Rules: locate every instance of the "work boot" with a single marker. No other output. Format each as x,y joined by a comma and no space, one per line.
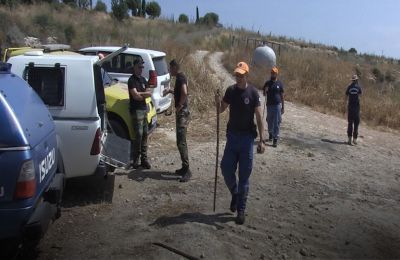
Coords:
186,176
275,143
181,171
349,141
269,137
240,218
355,141
233,205
145,164
132,165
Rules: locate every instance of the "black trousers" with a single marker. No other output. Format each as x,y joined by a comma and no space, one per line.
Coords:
353,119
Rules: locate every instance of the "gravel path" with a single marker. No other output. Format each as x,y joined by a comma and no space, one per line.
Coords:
311,197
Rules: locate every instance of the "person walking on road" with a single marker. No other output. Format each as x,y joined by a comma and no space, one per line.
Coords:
182,117
243,101
273,90
138,92
353,94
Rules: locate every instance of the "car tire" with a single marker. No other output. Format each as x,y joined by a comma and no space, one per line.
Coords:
118,129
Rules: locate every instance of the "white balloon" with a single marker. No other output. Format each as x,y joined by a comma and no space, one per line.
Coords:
264,57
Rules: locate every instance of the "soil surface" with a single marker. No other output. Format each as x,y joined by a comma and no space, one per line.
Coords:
311,197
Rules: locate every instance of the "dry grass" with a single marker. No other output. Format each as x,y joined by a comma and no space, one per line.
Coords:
312,75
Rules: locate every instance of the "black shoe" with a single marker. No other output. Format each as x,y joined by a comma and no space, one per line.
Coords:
270,138
240,218
181,171
233,205
186,176
145,164
132,165
275,143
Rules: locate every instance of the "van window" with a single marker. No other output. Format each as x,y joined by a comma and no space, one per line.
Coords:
161,66
48,82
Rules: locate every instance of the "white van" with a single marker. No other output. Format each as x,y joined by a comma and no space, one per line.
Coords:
155,70
71,87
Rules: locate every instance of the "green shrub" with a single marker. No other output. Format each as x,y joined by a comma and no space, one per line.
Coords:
100,6
153,10
183,18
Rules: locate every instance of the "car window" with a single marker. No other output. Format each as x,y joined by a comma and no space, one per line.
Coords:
48,82
161,65
127,61
9,136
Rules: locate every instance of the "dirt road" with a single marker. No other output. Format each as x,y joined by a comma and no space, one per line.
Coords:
311,197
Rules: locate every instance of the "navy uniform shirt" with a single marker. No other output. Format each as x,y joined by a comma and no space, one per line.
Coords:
180,80
353,92
273,91
242,104
140,84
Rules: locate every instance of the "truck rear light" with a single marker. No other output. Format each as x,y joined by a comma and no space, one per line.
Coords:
96,146
152,78
26,184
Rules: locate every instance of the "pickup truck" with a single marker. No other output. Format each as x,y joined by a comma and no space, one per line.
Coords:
30,184
72,88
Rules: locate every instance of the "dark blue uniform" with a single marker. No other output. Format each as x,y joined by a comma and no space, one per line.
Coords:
353,93
241,132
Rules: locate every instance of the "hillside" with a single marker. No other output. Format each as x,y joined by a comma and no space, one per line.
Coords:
314,74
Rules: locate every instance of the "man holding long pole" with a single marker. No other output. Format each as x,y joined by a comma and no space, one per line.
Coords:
243,101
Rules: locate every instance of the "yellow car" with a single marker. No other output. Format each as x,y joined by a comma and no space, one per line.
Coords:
117,106
9,52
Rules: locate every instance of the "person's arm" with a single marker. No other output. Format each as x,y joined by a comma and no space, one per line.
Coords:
283,103
260,126
182,98
221,105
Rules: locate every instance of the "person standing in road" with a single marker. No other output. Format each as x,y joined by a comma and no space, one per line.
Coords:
243,101
353,94
138,92
182,117
273,90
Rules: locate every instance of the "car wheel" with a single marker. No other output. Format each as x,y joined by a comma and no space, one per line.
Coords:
118,129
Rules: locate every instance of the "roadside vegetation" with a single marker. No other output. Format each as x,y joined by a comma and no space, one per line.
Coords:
314,74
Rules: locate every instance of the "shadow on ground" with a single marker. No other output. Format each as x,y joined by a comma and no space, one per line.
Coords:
88,190
212,220
140,175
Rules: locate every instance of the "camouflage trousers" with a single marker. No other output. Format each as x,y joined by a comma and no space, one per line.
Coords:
182,122
139,144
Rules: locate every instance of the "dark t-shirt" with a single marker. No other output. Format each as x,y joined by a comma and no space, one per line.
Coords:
273,91
180,80
353,92
242,104
140,83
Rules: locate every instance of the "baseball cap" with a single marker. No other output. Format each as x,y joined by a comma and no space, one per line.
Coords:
242,68
354,77
139,62
275,70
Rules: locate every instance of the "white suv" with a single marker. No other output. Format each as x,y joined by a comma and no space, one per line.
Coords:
155,70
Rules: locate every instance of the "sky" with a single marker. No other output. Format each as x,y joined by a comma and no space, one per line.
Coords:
371,27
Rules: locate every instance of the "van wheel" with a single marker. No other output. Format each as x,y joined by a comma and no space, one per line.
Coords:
118,129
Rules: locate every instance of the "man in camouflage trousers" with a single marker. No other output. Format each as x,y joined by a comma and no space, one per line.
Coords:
182,116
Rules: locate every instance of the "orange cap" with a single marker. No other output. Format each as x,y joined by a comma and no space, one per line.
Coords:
275,70
242,68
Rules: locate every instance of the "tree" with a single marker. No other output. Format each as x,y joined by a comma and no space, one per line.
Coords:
210,19
153,10
353,50
134,6
143,8
83,4
119,9
183,18
70,2
197,15
100,6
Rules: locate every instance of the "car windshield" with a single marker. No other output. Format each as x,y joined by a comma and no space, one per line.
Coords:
161,65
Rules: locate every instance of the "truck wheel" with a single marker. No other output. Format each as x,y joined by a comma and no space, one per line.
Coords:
119,129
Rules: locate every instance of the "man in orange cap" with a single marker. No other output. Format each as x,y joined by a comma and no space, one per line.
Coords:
243,101
273,90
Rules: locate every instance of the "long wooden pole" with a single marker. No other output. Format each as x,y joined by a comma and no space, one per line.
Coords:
217,152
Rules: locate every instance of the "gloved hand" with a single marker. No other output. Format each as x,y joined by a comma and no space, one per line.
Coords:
260,147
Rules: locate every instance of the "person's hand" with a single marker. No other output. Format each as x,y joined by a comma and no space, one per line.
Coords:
166,91
260,147
282,110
